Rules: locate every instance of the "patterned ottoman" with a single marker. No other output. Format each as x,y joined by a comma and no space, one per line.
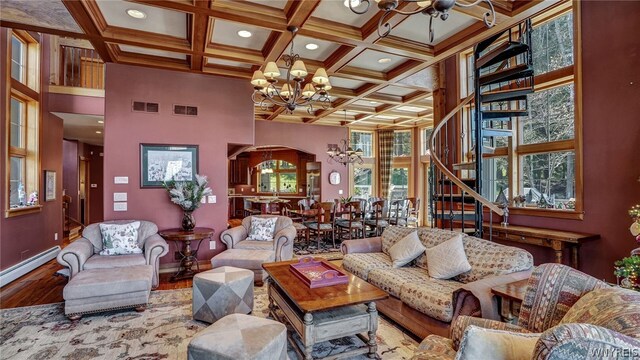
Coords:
240,336
220,292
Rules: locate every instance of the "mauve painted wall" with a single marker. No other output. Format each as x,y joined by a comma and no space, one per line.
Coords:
312,139
225,115
611,136
24,236
76,104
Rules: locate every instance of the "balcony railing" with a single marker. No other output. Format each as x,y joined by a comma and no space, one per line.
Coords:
81,67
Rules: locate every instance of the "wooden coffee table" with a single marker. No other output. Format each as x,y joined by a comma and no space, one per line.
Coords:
324,313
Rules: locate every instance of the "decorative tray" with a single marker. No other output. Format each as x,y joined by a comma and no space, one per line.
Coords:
318,273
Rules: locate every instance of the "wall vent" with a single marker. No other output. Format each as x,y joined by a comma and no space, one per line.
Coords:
185,110
141,106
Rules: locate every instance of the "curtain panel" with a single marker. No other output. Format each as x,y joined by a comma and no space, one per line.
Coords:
385,147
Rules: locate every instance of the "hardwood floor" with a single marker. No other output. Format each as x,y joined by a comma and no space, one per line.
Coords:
41,286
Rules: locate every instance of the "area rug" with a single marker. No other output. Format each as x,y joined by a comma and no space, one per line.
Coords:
163,331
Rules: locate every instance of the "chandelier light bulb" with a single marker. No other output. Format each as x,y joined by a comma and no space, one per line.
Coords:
299,70
286,91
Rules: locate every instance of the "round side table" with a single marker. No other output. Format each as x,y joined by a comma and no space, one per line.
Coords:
198,234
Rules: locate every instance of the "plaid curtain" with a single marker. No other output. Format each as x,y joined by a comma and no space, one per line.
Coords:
385,143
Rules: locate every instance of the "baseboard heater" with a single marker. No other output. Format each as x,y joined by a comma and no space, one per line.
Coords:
10,274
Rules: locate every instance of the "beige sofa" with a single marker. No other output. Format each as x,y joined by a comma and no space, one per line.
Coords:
425,305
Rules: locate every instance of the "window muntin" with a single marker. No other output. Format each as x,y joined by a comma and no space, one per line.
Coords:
402,143
551,174
553,44
551,116
18,59
362,140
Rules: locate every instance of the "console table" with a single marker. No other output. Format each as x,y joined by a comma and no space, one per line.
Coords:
198,234
555,239
510,297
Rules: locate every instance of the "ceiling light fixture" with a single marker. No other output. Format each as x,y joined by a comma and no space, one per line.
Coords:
244,33
136,14
433,9
384,60
344,154
98,132
352,3
311,46
100,121
292,93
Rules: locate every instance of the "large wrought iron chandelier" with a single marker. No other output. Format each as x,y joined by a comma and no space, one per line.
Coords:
432,8
344,154
292,93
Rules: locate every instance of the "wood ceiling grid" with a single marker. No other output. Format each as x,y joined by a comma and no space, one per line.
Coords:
352,42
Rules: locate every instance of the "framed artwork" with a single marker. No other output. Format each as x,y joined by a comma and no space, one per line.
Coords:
159,163
49,185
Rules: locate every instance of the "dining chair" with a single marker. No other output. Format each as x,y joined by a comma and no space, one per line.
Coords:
324,223
377,221
413,215
301,229
352,220
398,212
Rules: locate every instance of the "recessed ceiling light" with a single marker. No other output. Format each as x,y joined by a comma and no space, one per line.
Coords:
244,33
373,102
136,14
354,3
384,60
100,121
98,132
311,46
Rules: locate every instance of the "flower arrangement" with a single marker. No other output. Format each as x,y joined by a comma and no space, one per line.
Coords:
188,194
628,269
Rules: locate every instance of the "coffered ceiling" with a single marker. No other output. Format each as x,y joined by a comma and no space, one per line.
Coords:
381,82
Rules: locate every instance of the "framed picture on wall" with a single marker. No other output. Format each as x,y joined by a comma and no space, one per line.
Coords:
49,185
160,163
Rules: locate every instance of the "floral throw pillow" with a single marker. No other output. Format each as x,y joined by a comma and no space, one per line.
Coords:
262,229
120,239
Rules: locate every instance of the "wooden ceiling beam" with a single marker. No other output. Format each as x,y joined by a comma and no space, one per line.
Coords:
234,53
201,30
83,18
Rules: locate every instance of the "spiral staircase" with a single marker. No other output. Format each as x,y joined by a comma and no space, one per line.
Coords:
503,76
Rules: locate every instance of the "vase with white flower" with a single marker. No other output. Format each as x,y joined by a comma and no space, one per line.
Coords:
188,195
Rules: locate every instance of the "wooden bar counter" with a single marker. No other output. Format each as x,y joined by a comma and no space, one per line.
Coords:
555,239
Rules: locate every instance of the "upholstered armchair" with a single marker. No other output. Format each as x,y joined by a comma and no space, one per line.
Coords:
84,253
282,243
603,321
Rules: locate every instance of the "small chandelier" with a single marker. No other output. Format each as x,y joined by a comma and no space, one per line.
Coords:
292,93
432,8
344,154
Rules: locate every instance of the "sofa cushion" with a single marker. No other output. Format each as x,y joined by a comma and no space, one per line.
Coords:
359,264
107,262
281,222
431,237
477,342
392,235
391,280
491,259
120,239
612,308
254,245
262,229
405,250
432,297
92,233
447,259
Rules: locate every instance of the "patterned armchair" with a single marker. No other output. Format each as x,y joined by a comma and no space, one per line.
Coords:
604,319
84,253
282,245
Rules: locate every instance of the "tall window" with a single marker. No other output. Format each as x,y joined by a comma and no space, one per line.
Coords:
544,143
425,134
402,143
362,140
277,176
399,187
23,99
362,178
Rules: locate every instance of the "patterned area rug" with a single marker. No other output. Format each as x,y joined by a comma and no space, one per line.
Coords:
163,331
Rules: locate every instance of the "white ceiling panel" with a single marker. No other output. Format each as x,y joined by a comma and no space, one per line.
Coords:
228,63
152,52
335,10
226,33
416,27
366,103
278,4
158,20
368,59
345,83
324,50
396,90
413,109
